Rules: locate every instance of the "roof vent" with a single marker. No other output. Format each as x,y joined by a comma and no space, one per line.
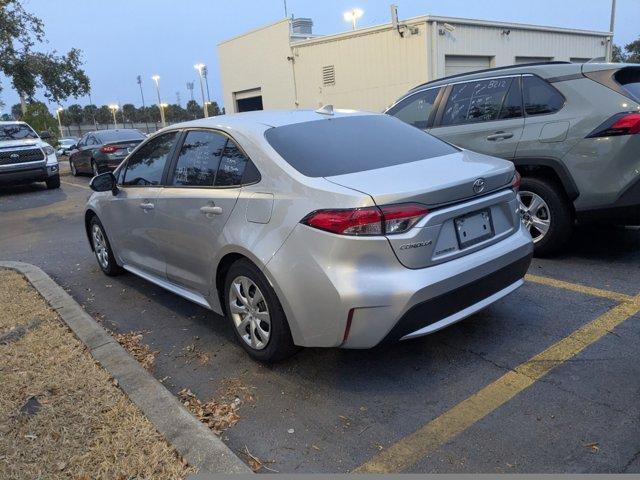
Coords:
302,26
325,110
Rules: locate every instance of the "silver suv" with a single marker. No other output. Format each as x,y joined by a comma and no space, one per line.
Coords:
571,130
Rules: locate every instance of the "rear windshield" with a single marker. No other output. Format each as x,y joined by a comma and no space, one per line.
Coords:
338,146
120,135
629,79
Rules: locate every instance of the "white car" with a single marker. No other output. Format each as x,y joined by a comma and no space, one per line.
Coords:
25,157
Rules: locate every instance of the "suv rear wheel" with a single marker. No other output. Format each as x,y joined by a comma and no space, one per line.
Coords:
546,213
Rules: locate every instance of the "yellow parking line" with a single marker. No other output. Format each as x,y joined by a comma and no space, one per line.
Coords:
596,292
414,447
75,185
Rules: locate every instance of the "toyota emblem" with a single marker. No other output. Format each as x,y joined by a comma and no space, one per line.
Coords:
14,155
478,185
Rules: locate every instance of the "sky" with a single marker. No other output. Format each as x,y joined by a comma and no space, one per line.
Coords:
121,39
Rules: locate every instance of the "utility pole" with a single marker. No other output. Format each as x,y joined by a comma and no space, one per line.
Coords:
144,109
199,68
286,14
206,82
612,25
93,113
156,78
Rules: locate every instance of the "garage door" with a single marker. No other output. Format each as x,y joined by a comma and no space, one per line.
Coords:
455,64
521,60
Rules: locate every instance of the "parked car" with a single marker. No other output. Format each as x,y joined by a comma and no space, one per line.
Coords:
571,130
303,236
25,157
103,150
65,144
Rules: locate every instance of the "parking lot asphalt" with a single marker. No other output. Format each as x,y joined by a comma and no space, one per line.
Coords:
546,380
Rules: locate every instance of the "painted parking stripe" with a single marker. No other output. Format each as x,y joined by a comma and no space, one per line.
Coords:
414,447
595,292
75,185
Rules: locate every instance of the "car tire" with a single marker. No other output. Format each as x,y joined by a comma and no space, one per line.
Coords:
102,248
53,182
72,167
549,205
263,331
95,170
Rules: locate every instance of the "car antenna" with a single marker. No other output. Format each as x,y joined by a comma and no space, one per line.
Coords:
325,110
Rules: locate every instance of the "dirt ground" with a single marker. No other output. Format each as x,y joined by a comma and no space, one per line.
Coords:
61,414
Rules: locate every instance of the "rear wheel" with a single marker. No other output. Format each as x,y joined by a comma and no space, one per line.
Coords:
102,249
256,315
94,168
546,213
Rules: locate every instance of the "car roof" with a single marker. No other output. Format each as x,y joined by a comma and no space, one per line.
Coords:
542,69
266,118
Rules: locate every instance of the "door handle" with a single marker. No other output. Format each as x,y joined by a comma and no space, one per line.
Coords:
499,136
147,206
211,210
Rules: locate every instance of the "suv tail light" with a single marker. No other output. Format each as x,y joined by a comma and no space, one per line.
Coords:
515,182
620,124
110,148
386,220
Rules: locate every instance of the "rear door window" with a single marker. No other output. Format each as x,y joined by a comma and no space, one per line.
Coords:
199,159
337,146
416,109
629,80
478,101
146,166
540,98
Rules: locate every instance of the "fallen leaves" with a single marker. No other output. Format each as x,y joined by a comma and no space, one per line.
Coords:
132,343
594,447
218,416
255,463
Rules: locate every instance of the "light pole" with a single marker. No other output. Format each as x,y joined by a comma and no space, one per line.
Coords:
162,107
156,78
139,79
199,68
612,25
114,108
58,112
353,16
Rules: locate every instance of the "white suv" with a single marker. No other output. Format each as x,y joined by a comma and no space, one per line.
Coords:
25,157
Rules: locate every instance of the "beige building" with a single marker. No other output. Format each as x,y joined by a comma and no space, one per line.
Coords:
283,65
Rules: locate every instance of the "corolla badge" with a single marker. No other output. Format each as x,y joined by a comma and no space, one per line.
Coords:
14,155
478,185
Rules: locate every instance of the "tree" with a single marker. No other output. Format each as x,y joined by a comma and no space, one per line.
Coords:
40,119
89,114
16,111
214,109
633,51
60,76
104,116
194,110
618,55
130,112
74,115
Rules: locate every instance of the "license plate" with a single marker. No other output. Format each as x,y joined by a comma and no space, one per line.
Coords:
474,228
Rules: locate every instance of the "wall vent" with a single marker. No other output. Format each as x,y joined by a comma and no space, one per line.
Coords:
328,75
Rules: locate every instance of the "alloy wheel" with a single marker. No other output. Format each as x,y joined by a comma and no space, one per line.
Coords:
94,168
535,213
249,312
72,166
100,246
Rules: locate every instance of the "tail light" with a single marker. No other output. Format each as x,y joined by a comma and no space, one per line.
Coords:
620,124
110,148
515,182
386,220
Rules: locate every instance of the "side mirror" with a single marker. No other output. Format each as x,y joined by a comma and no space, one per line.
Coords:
45,135
104,182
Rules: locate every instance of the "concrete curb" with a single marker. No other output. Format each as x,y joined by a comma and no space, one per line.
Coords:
191,439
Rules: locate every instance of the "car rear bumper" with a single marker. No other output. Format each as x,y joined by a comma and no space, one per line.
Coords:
625,210
359,296
28,175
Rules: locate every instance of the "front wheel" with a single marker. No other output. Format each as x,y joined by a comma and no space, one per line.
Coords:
256,315
94,168
72,167
102,249
546,213
53,182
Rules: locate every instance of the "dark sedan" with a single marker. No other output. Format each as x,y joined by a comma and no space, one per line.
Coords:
103,150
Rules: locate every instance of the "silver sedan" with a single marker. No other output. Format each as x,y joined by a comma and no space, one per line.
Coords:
319,229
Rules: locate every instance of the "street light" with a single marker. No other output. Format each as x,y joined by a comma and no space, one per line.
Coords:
156,78
58,111
162,107
199,67
114,108
353,16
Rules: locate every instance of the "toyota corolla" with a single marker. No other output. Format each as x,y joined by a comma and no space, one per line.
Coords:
319,229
